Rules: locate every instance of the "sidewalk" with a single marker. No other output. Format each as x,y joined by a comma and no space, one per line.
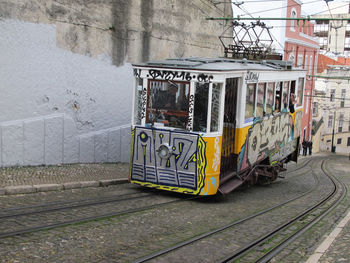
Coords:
20,180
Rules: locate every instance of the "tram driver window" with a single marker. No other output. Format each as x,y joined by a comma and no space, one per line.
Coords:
215,107
269,99
250,103
138,102
278,97
292,97
260,112
168,104
285,95
201,107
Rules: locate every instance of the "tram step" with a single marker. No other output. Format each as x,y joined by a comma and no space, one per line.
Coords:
230,185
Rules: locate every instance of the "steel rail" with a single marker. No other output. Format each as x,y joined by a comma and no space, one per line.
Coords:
260,240
89,202
69,205
91,218
218,230
272,253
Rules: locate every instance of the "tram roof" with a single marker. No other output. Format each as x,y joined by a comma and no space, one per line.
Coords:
217,64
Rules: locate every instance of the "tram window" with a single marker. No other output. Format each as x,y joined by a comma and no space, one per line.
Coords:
138,102
168,103
285,95
201,107
278,97
250,102
260,100
292,98
269,99
300,91
215,107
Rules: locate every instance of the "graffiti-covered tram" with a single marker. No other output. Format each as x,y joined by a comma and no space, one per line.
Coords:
206,125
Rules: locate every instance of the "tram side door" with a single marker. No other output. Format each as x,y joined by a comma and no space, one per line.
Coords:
228,158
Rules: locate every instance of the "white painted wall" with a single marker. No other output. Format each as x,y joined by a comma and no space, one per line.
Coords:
57,106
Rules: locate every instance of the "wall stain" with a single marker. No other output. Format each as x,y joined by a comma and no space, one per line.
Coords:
120,16
147,13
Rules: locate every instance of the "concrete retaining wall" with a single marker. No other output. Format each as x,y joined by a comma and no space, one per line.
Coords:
66,78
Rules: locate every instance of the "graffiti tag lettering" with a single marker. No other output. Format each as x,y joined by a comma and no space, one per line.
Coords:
190,113
266,136
251,77
172,75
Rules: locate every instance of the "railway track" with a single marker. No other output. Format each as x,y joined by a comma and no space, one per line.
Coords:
276,248
21,214
312,219
16,213
13,218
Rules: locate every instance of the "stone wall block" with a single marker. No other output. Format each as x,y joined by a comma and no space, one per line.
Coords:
114,153
101,147
54,140
125,134
12,144
86,149
34,142
71,142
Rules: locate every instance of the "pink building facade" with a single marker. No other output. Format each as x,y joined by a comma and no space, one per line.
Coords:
302,49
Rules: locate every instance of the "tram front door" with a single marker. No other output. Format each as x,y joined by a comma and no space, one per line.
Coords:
228,157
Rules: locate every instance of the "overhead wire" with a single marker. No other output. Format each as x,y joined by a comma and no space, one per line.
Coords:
252,16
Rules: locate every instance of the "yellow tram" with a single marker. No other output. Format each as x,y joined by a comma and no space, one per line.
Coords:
206,125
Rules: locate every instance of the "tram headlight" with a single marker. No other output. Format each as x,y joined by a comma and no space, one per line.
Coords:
164,151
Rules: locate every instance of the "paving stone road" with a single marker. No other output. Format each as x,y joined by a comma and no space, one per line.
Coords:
125,238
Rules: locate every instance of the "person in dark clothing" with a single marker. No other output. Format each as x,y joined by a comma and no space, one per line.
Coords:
304,147
292,102
310,147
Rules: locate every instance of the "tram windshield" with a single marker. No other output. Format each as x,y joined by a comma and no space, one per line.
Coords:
168,103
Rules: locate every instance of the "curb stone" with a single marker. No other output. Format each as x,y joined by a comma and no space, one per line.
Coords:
113,182
48,187
20,189
28,189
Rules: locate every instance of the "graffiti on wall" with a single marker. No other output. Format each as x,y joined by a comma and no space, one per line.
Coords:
274,136
183,168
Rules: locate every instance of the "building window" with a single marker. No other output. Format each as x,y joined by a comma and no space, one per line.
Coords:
332,95
348,141
291,58
305,64
292,22
300,61
323,42
347,43
339,141
310,66
340,122
315,109
330,121
342,102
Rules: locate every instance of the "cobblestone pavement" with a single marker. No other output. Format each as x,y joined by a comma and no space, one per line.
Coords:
17,180
125,238
339,250
305,246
